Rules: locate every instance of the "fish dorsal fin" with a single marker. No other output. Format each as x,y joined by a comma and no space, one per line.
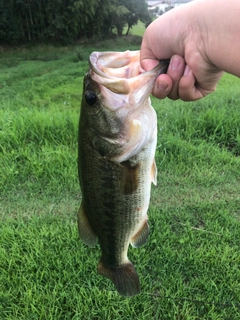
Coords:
154,172
86,232
141,237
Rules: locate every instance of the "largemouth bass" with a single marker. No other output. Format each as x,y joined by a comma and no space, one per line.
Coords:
117,142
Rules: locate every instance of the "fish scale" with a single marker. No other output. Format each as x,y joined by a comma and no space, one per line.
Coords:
117,142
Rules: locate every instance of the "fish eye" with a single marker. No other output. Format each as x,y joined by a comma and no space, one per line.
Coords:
90,98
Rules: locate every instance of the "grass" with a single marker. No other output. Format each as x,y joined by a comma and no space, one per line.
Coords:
137,29
190,267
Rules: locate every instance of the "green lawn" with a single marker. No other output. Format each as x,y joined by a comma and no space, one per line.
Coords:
137,29
190,268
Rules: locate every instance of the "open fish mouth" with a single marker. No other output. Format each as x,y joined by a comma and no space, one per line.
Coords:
120,73
114,64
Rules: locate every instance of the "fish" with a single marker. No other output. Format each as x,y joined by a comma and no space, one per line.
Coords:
116,161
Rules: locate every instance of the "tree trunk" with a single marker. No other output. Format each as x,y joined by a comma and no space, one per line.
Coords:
28,30
119,31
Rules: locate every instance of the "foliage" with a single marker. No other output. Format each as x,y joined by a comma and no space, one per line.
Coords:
137,11
65,21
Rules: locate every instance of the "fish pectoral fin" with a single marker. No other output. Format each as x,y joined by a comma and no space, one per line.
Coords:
124,277
86,232
130,177
154,172
141,237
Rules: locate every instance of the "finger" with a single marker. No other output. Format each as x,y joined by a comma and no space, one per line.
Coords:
149,64
187,89
175,71
162,87
190,89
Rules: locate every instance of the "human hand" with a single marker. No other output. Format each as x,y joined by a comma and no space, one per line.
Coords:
191,75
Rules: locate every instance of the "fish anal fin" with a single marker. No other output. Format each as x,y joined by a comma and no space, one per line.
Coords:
141,237
154,172
86,232
130,177
124,277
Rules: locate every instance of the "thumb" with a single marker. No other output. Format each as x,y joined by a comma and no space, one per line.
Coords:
147,59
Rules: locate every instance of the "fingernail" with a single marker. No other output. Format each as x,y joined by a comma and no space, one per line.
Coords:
162,86
175,62
186,71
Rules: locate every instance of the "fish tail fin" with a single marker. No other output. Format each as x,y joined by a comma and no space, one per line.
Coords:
124,277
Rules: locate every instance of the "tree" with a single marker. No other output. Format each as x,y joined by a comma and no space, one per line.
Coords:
106,16
8,25
119,18
138,10
66,21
